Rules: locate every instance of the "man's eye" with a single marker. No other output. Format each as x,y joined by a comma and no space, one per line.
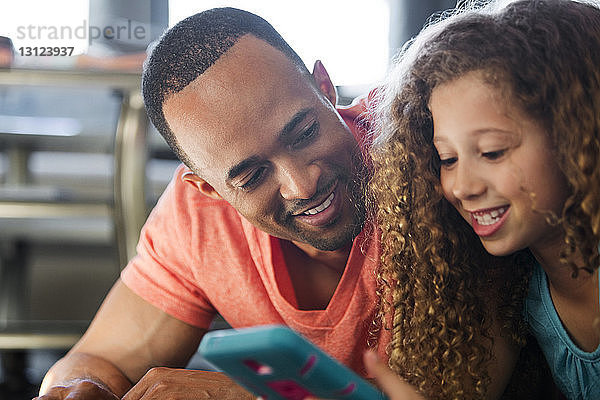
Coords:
254,179
306,135
494,155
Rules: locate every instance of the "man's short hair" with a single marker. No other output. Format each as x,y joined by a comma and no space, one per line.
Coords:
189,48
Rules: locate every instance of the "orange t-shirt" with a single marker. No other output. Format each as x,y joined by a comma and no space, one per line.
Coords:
198,256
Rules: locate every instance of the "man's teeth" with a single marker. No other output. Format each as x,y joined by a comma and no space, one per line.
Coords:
320,207
491,217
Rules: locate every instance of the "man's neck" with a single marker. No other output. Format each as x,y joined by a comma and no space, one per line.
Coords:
315,274
336,259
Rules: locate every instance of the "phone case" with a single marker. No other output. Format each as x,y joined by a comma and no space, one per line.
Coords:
275,362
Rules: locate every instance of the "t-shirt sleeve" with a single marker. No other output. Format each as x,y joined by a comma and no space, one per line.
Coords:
359,117
164,270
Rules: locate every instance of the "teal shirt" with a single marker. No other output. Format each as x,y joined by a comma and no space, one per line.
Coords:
576,372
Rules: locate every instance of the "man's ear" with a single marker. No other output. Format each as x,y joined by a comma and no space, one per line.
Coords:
200,184
323,81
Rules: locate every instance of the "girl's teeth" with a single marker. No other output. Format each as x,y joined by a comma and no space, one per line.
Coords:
321,207
490,218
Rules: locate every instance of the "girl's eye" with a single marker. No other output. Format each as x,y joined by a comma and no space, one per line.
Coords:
494,155
448,162
305,136
254,179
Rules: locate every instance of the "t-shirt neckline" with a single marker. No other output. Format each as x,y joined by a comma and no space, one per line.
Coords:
271,256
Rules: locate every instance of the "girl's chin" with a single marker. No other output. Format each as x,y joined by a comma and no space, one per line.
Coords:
498,249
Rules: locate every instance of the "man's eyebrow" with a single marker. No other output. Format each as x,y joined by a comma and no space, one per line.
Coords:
291,125
241,167
285,131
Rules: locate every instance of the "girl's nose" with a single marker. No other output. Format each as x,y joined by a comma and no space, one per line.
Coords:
467,184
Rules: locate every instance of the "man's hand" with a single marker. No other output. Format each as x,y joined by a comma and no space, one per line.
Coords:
157,384
181,384
79,389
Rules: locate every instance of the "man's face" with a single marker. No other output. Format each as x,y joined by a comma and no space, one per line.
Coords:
271,145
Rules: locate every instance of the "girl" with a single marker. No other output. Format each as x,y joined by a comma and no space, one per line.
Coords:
487,186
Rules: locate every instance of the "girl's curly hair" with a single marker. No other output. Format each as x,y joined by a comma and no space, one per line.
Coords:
438,282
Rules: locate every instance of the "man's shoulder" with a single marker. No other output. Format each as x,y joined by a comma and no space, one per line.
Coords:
186,218
359,115
360,108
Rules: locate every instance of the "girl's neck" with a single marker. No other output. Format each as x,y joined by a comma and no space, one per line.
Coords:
560,275
575,299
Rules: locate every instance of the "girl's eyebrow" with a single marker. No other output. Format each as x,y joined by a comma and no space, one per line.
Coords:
483,131
477,132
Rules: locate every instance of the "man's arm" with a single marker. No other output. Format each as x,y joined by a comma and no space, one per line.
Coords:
127,337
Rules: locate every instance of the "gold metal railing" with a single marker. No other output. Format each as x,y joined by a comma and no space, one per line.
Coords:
128,209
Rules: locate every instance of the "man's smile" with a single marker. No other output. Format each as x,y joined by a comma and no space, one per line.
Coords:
323,213
321,206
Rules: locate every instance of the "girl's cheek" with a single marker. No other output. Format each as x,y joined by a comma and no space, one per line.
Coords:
445,183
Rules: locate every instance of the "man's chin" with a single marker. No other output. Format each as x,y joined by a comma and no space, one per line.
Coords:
330,245
333,242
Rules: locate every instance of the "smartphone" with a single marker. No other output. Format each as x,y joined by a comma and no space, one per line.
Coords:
276,363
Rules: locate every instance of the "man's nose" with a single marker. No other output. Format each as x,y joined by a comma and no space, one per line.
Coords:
299,181
467,182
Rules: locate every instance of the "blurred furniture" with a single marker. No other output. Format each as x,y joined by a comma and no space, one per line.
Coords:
23,202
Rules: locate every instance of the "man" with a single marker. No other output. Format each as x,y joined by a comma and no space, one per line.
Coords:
263,224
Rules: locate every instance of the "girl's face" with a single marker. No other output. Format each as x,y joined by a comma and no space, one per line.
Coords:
497,167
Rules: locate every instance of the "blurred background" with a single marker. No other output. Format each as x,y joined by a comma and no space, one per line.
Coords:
80,165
